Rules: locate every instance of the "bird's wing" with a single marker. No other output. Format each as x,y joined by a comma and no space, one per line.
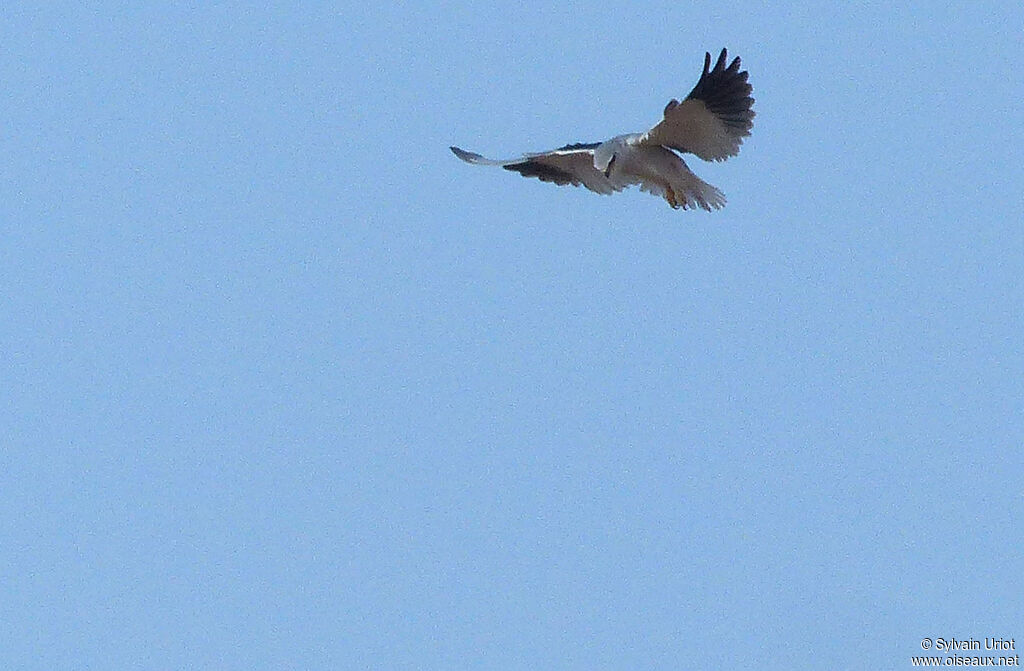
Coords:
713,120
571,164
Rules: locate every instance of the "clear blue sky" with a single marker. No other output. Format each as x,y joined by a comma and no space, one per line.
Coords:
287,385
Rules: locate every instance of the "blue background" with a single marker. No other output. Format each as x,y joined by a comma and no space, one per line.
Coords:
286,385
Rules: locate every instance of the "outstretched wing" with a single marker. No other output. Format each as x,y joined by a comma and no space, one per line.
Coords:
571,164
713,120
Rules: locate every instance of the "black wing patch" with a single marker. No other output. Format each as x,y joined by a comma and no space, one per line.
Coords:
546,172
580,145
543,172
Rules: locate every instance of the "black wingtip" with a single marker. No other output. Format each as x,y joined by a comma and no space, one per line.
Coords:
720,63
725,91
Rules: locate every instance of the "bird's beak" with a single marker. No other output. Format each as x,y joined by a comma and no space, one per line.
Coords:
608,170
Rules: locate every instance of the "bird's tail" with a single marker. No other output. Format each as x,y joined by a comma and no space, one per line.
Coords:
691,191
685,190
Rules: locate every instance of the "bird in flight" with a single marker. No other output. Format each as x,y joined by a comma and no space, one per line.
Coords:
710,123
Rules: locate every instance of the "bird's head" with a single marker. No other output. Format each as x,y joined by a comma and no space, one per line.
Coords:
604,156
608,170
606,153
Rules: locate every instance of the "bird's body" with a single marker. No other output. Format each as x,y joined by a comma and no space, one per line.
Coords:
661,172
710,123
